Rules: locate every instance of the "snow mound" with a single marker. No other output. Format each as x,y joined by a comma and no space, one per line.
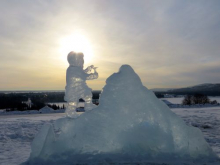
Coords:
46,109
130,125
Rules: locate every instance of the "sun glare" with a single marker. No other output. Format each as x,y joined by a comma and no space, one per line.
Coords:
78,43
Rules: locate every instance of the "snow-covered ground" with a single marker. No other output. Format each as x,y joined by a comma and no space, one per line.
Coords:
178,100
43,110
18,131
207,120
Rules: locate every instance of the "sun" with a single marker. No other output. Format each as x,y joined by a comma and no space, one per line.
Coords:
76,42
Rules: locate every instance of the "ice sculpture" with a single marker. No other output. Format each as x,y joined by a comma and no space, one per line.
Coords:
76,87
130,125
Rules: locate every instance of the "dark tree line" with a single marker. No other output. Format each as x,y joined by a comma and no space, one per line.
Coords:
13,101
197,99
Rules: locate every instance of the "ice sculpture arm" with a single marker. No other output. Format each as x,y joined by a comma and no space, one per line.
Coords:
94,75
88,69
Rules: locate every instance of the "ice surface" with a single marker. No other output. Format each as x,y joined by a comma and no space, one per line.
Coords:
129,125
76,87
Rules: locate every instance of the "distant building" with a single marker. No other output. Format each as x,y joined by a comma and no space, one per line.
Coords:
81,103
80,106
28,103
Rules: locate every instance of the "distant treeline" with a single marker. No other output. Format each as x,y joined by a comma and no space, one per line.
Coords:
207,93
13,101
197,99
207,89
204,89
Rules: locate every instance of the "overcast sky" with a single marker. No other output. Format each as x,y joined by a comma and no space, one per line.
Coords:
172,43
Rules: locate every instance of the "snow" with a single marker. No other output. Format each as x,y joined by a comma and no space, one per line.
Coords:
46,109
122,129
16,134
167,102
178,100
207,119
20,112
13,143
43,110
76,87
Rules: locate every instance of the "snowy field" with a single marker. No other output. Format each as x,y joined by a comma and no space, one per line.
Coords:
18,131
178,100
207,120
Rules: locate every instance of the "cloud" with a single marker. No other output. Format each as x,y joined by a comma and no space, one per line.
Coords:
169,43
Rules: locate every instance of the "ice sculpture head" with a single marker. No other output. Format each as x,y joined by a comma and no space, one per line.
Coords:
75,59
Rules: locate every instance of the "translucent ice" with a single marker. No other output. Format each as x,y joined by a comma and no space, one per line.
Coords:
129,125
76,87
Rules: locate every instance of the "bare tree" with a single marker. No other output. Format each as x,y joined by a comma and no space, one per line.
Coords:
195,99
200,99
187,100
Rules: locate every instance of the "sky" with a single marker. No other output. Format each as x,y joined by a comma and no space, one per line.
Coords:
169,44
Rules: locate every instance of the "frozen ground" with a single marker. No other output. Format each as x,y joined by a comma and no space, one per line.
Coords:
207,119
16,134
17,131
178,100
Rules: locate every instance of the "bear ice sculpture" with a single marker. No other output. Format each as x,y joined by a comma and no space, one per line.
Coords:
76,87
